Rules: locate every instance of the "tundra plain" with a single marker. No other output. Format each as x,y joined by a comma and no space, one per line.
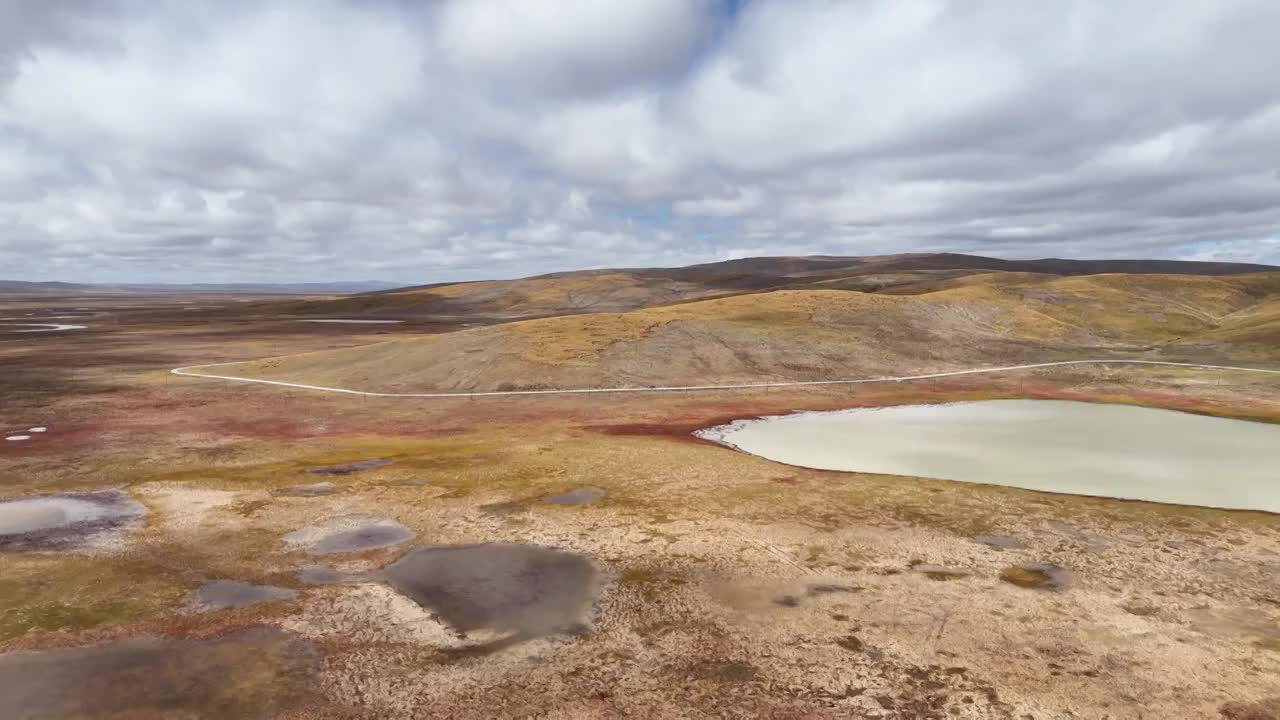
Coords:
670,576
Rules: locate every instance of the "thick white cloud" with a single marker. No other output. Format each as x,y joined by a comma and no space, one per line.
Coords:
569,47
340,139
283,90
804,80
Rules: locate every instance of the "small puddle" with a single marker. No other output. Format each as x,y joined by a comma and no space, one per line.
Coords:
941,573
261,673
576,497
66,519
349,468
1000,542
366,538
348,534
343,321
42,327
316,575
504,509
226,594
525,590
313,490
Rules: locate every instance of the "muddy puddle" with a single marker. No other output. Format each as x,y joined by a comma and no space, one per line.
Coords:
1055,446
941,573
258,673
349,534
348,468
579,496
316,575
66,520
353,321
229,594
1000,542
520,589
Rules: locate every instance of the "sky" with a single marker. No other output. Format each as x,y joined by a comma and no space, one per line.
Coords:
320,140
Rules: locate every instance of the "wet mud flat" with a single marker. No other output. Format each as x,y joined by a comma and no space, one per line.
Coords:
66,520
258,673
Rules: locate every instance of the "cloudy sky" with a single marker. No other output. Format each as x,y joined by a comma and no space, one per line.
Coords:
381,139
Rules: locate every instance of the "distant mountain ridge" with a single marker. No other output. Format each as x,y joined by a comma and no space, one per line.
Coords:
737,275
757,272
626,289
330,288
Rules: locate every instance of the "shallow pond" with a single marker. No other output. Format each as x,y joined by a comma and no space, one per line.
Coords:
226,594
259,673
523,589
48,522
1048,445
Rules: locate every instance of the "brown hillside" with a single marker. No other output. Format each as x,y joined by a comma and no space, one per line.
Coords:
822,334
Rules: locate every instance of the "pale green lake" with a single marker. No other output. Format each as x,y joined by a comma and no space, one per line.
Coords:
1055,446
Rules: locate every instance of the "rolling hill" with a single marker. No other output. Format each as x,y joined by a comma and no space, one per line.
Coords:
623,290
813,332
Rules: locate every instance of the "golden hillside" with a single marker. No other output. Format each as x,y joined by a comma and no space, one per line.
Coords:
824,334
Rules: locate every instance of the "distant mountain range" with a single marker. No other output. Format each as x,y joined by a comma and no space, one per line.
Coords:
331,288
626,289
725,277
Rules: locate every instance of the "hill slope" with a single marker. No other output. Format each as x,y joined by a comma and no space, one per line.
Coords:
812,334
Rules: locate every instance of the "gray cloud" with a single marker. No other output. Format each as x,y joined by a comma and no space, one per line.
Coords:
334,139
